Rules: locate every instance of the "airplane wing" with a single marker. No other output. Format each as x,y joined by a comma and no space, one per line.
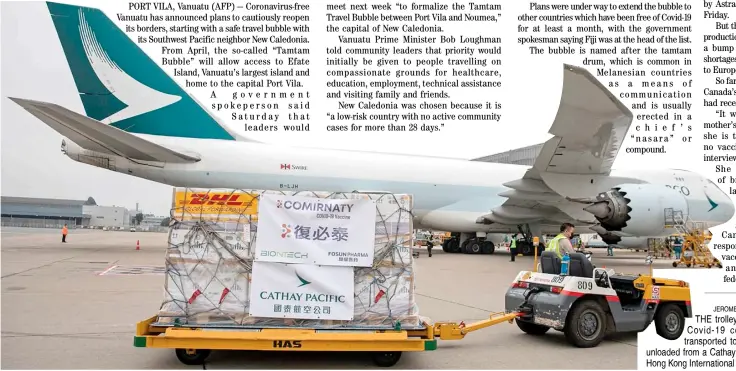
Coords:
588,130
518,156
587,134
96,136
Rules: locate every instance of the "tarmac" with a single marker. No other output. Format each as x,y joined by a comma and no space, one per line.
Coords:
74,305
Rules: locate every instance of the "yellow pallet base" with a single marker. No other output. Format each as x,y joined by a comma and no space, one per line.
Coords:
193,344
149,336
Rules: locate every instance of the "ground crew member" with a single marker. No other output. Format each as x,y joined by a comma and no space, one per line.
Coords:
429,247
677,248
64,232
687,251
561,243
512,248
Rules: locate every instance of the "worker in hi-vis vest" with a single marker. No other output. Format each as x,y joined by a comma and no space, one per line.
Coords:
64,232
561,243
512,248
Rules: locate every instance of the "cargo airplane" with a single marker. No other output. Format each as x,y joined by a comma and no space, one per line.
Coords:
140,122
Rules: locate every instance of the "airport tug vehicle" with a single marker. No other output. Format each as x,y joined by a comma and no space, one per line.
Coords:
588,303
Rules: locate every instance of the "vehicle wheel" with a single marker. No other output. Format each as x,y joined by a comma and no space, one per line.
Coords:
453,247
532,328
688,265
669,321
674,264
386,359
446,246
194,357
526,249
488,247
474,247
586,324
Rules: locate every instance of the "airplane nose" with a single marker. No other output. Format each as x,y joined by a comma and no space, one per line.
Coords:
729,208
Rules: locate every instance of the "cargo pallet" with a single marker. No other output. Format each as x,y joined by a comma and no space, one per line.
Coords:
194,344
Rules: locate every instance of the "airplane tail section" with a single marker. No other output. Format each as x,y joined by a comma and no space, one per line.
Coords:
123,87
96,136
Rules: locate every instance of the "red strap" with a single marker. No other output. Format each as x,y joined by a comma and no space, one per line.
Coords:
194,296
225,291
379,296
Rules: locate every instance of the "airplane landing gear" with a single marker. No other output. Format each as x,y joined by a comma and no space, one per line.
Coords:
488,247
479,245
526,247
451,245
473,245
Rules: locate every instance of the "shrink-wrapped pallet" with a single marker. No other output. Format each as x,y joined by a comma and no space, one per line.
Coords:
211,253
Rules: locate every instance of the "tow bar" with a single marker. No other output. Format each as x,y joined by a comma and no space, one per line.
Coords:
525,310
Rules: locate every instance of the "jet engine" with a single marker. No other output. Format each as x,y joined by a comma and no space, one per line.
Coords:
635,210
610,239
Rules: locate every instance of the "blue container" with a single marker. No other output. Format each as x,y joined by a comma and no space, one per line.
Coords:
564,268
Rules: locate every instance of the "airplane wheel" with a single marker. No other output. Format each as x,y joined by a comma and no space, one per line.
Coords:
453,247
464,246
474,247
669,321
585,326
446,246
488,247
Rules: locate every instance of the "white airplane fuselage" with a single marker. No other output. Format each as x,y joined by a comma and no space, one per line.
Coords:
133,109
449,194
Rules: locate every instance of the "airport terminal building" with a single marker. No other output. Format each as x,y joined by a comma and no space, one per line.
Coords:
107,216
54,213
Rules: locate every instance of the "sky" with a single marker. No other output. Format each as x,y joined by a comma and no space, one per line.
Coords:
33,66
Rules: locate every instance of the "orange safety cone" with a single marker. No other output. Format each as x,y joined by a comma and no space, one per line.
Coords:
138,244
